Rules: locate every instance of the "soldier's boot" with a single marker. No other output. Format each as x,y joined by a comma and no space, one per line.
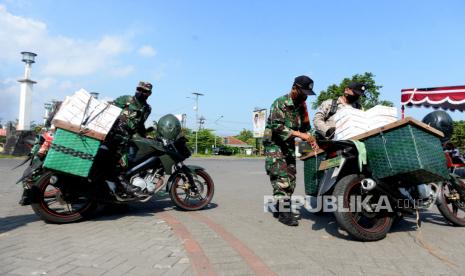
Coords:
285,214
128,188
276,212
296,215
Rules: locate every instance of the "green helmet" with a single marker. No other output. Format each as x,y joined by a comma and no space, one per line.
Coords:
169,127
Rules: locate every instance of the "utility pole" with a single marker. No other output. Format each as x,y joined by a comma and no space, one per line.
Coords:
197,119
216,121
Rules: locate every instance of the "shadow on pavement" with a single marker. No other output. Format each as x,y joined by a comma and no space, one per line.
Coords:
139,209
435,218
13,222
327,222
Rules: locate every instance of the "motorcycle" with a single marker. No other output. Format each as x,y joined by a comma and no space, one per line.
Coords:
363,200
451,196
58,197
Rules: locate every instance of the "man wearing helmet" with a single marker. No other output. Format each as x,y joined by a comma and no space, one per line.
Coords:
131,121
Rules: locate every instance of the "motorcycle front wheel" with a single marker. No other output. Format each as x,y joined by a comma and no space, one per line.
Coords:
190,197
54,204
363,225
451,204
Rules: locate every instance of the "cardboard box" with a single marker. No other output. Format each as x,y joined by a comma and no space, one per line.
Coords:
82,113
351,122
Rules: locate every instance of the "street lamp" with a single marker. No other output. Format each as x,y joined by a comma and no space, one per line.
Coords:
28,57
197,118
25,97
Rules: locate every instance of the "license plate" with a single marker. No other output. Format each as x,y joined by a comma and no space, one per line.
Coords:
330,163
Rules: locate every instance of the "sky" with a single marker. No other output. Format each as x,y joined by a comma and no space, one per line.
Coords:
239,54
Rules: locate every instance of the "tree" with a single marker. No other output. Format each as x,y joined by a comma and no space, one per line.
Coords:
458,137
205,139
371,95
245,135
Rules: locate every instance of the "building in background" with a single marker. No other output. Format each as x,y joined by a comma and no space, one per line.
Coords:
242,147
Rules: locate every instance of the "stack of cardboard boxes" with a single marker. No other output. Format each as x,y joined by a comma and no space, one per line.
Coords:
82,122
351,122
82,113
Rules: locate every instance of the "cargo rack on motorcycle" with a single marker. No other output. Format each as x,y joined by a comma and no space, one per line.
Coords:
406,151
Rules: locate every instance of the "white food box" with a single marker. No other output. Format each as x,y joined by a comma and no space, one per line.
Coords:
82,113
351,122
349,133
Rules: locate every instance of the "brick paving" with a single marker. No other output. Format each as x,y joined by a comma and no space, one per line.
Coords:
135,240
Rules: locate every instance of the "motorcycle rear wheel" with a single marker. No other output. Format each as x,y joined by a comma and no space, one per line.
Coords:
451,207
361,225
51,206
186,198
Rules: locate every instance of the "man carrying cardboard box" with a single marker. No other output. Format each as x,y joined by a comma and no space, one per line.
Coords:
324,117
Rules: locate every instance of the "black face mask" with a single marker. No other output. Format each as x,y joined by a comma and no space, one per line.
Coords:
352,98
300,97
141,96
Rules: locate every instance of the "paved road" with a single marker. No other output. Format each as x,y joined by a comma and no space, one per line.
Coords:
232,237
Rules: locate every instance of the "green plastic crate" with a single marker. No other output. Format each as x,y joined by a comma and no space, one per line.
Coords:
71,153
312,175
407,154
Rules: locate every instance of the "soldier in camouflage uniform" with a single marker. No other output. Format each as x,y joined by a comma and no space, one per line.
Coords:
288,119
324,117
131,122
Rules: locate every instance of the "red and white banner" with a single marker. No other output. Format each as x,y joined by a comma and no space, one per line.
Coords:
448,97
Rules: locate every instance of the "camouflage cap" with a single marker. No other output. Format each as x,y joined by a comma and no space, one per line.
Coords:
146,86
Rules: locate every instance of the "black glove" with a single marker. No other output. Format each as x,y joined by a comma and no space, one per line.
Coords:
330,132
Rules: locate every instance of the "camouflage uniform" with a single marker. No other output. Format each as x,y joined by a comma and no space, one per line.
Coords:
130,122
134,114
280,163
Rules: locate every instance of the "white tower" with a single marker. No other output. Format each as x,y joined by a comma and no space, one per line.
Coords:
25,98
48,108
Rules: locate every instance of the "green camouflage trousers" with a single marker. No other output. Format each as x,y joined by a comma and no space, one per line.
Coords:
280,165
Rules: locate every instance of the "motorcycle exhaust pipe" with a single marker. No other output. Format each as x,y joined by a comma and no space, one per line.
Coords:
368,184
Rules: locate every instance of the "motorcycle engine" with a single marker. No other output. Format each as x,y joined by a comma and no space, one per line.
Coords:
424,191
422,196
139,182
149,183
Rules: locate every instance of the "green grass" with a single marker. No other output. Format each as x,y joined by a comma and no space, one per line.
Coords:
5,156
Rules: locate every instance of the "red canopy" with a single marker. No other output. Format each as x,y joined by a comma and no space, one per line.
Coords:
447,97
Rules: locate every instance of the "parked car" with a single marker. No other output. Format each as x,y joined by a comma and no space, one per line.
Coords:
222,151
